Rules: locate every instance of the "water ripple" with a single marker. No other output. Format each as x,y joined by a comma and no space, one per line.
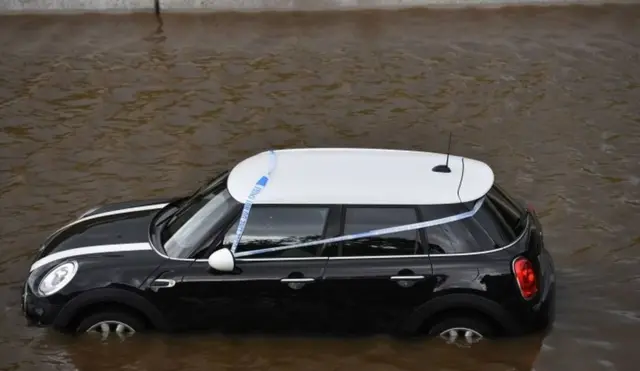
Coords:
96,109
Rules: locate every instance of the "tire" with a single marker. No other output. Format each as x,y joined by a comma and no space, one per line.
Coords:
477,326
131,323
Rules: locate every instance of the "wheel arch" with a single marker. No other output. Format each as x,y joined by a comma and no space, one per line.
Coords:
461,304
105,298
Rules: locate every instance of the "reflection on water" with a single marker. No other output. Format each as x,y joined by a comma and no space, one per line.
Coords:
226,353
97,109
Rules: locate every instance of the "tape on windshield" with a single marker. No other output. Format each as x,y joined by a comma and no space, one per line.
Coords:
376,232
260,184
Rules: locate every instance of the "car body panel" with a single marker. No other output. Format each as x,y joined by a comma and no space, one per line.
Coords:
122,271
127,226
125,205
374,294
260,295
118,262
112,252
123,296
345,176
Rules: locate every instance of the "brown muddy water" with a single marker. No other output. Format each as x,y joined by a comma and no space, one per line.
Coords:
98,109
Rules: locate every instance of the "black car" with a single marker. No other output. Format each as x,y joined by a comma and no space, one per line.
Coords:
329,240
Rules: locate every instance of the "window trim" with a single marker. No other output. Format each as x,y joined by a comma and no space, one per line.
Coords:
473,253
487,202
502,248
340,210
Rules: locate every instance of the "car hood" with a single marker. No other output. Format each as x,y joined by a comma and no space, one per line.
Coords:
111,228
127,206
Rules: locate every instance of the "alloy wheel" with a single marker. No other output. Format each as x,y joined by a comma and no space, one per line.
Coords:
106,328
461,336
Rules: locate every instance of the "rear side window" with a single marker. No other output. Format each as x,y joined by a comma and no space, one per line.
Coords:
364,219
462,236
490,219
513,213
497,223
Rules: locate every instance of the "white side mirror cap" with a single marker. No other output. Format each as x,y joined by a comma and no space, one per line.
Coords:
222,260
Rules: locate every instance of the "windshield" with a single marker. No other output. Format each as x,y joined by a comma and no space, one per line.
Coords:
191,225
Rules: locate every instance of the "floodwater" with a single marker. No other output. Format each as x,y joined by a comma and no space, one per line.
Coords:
97,109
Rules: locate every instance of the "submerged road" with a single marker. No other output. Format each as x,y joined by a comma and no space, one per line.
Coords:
98,109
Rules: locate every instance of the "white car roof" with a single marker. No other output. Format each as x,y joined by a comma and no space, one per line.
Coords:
360,176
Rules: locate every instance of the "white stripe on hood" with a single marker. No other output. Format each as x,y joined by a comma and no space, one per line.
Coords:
109,213
88,250
116,212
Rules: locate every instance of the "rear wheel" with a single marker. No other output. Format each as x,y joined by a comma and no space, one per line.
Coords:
462,331
111,323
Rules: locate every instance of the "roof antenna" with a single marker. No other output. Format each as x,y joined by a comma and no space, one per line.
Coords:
444,168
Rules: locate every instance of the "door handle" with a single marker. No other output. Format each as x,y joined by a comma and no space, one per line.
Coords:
162,283
406,278
297,280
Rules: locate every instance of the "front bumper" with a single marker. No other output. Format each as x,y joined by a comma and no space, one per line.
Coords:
38,311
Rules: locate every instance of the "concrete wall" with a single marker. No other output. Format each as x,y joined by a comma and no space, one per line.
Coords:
35,6
30,6
184,5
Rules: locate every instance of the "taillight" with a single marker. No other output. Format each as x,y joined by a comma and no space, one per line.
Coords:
525,277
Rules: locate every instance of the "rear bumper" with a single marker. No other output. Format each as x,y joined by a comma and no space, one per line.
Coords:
524,319
546,308
543,314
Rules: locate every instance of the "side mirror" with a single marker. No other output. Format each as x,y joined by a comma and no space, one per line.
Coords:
222,260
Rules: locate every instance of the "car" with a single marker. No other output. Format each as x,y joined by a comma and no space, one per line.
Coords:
306,240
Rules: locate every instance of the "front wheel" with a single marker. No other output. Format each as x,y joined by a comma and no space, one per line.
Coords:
462,331
108,323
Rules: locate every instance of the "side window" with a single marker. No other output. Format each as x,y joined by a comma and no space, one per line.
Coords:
491,221
461,236
364,219
274,226
509,209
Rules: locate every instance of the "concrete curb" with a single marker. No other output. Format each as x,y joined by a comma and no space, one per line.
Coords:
48,6
129,6
311,5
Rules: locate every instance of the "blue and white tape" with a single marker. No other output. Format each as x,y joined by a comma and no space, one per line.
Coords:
376,232
260,184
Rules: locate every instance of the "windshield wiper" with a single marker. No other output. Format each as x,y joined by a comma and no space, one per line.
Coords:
192,198
182,204
167,214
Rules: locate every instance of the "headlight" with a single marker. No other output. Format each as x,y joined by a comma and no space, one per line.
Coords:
57,278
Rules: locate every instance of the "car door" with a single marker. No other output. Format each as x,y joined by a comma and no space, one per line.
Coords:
279,291
376,282
174,300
